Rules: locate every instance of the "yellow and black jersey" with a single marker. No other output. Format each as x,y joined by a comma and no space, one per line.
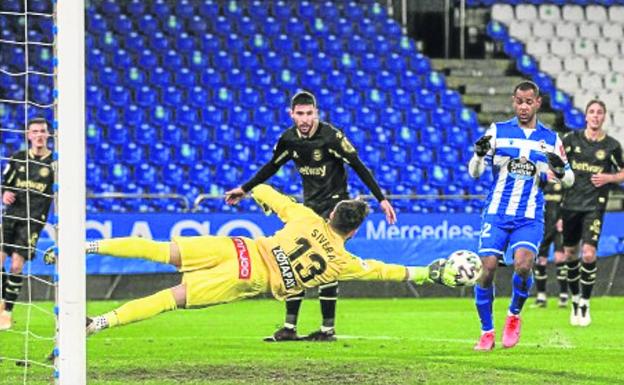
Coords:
307,252
320,161
586,159
36,177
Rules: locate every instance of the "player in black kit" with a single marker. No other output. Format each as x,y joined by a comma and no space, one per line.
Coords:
26,193
553,194
319,151
596,159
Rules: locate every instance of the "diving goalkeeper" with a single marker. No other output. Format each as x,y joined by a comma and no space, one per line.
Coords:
308,251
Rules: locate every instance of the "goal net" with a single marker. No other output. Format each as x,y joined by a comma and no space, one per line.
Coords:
42,81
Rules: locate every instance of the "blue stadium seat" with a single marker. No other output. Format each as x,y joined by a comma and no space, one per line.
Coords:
241,154
356,45
209,9
527,65
197,133
185,115
513,48
246,27
224,97
105,153
559,101
122,24
198,97
305,10
333,46
96,24
184,9
132,154
119,174
391,117
448,155
376,98
210,43
419,64
200,175
283,44
388,176
366,118
325,98
222,61
371,63
239,117
406,135
329,10
340,117
401,99
343,27
235,43
308,45
236,78
458,137
197,26
574,118
466,118
135,42
159,153
351,99
395,63
287,79
381,135
412,175
422,155
106,115
96,58
211,78
426,99
95,96
213,116
145,134
173,175
119,96
133,115
94,175
160,115
171,135
225,134
496,31
213,154
438,175
380,45
185,78
371,155
386,80
188,190
263,116
222,26
432,137
117,134
275,98
441,118
398,156
362,80
294,27
93,135
228,174
312,79
435,81
356,136
109,77
251,134
450,99
148,60
248,61
544,82
260,45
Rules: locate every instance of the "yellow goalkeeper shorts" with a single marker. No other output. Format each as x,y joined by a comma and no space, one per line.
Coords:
221,269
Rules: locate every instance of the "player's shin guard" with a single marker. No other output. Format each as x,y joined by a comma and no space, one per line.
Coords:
141,309
588,279
573,281
13,287
484,300
131,247
328,294
540,278
3,281
520,292
562,278
293,304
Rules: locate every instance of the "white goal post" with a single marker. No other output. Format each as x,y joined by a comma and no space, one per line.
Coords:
71,296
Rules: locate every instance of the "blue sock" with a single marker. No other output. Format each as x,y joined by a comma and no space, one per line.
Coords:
520,292
484,299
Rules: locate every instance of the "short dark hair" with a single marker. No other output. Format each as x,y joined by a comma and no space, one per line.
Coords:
527,85
302,98
596,101
37,120
349,215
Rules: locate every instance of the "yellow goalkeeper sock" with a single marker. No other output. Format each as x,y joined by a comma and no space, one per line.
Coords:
141,309
134,247
418,275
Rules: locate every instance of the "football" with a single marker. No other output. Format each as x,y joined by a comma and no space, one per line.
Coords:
468,267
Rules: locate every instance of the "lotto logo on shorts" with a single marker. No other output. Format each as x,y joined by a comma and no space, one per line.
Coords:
244,261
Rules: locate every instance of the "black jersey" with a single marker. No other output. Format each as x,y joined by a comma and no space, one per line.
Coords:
38,182
586,159
320,161
553,195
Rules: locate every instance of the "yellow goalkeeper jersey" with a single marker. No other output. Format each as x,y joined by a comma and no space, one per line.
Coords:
307,252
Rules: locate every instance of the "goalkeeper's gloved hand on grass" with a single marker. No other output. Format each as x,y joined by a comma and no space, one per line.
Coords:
440,272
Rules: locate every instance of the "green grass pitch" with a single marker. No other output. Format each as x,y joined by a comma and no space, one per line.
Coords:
381,341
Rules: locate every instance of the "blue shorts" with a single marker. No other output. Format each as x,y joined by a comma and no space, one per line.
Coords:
501,231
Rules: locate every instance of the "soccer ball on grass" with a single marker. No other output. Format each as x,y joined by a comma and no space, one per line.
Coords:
467,265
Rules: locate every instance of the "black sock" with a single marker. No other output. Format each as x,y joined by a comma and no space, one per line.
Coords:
540,278
562,278
327,296
13,288
292,309
3,283
573,280
588,278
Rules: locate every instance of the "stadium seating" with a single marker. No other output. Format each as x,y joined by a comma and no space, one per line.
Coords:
177,104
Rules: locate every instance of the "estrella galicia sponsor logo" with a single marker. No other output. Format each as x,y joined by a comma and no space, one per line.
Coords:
521,168
286,270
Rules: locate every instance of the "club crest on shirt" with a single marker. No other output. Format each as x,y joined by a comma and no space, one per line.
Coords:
21,169
521,168
542,145
44,171
601,154
317,155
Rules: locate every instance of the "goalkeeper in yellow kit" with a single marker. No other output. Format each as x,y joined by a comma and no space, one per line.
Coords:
308,251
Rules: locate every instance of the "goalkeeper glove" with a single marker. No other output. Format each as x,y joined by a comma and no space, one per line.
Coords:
482,146
49,256
556,164
440,273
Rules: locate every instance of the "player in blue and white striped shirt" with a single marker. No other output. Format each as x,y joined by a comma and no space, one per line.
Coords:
524,155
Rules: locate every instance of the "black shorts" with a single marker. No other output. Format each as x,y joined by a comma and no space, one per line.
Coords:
16,238
581,225
326,207
551,235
